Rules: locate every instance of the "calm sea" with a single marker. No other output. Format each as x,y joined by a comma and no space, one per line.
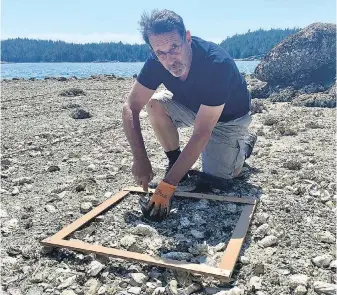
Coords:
82,70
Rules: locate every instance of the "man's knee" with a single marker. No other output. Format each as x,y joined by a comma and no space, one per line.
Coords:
155,108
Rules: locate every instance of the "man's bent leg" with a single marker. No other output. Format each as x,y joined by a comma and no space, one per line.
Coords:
166,132
225,153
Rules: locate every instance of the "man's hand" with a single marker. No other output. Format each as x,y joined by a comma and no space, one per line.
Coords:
142,172
158,208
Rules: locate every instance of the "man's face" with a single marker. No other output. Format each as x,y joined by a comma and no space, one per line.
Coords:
173,52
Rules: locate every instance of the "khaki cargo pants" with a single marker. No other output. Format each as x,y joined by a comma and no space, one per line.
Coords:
225,151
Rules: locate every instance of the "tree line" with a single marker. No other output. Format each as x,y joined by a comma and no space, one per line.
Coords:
256,43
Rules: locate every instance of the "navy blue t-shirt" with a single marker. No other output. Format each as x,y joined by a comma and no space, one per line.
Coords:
213,80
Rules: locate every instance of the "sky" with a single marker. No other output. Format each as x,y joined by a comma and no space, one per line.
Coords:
85,21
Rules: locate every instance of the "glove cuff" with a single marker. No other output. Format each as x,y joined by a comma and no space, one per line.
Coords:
166,188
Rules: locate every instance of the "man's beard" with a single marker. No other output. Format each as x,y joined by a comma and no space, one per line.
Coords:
177,69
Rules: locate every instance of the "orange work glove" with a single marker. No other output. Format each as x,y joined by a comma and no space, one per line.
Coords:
158,207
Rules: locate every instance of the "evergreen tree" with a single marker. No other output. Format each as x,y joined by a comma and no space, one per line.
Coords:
256,43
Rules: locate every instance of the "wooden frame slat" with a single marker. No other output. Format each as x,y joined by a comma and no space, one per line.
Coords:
233,248
88,216
226,266
133,256
197,196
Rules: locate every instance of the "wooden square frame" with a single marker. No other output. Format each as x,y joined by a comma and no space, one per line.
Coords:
223,272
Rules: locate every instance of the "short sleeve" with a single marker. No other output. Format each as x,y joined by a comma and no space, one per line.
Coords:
150,75
219,79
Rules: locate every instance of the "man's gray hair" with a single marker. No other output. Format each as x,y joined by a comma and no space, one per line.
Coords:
161,21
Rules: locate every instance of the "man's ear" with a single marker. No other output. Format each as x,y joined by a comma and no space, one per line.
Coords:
188,37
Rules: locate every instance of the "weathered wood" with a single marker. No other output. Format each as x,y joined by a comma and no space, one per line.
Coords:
222,274
233,248
196,195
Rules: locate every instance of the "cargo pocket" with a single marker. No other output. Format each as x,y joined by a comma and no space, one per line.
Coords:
241,156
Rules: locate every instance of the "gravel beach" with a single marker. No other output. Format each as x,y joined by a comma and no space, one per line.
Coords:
64,152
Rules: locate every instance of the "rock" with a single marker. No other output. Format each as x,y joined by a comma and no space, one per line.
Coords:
159,291
135,290
92,167
257,106
138,279
172,287
198,220
198,249
177,255
144,230
107,195
261,218
86,207
68,292
184,222
327,237
300,290
197,234
262,230
192,289
102,290
14,250
53,168
3,213
71,92
35,290
333,264
311,88
50,208
67,282
15,191
13,291
202,204
324,288
91,287
283,95
305,57
95,268
255,283
22,180
257,88
233,291
244,260
127,241
268,241
258,269
92,199
298,279
322,260
39,277
219,247
293,165
80,113
232,208
9,261
320,100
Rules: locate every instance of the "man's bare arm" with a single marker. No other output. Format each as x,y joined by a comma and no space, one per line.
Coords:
137,99
205,121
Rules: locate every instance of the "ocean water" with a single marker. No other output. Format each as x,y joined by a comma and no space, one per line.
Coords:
83,70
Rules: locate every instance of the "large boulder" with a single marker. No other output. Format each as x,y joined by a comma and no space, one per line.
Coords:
302,58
